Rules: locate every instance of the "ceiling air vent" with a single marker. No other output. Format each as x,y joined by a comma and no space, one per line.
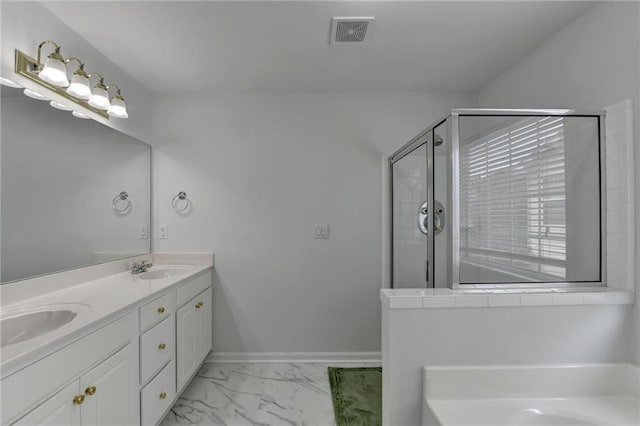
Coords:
349,29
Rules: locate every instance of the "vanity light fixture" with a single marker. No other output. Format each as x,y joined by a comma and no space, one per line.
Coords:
118,107
54,70
80,87
80,115
61,107
35,95
100,97
52,74
9,83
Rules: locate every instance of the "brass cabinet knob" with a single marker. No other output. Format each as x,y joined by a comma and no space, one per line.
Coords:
91,390
161,310
78,399
161,346
163,395
199,305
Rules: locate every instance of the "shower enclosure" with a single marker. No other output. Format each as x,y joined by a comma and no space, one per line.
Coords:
494,197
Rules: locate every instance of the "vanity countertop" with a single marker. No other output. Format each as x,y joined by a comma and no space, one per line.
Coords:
97,302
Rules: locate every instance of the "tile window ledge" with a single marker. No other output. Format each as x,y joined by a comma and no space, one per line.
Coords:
501,298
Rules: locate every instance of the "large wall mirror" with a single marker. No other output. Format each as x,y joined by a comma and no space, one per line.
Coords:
74,192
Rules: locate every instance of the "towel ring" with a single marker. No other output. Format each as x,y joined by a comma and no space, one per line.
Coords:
181,196
123,196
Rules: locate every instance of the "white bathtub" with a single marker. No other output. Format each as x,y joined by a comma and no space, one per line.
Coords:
559,395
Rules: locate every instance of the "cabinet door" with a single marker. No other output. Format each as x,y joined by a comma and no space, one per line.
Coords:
59,410
187,346
107,390
204,319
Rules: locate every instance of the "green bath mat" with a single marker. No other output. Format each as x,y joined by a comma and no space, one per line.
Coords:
357,395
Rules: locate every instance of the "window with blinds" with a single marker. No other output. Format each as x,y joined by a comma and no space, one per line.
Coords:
513,200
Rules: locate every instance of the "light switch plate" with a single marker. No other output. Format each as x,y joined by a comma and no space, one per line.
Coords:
163,232
321,232
143,232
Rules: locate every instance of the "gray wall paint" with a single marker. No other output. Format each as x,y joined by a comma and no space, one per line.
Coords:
592,63
261,170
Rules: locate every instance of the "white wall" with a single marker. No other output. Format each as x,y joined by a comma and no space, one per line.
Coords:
27,23
592,63
261,170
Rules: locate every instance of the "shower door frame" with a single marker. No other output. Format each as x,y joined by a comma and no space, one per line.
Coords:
425,137
454,214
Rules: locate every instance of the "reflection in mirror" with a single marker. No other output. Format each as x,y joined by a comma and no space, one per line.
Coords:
529,199
62,178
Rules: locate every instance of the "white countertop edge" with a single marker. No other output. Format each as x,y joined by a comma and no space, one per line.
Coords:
502,298
15,291
109,298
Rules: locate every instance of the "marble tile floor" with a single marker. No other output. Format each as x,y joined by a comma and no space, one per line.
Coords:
257,394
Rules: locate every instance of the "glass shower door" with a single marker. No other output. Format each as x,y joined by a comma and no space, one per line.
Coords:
410,196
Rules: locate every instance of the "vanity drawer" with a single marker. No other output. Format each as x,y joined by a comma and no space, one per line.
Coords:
156,348
158,395
157,310
192,288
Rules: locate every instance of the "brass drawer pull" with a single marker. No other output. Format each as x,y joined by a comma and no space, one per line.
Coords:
199,305
161,346
163,395
161,310
78,399
91,390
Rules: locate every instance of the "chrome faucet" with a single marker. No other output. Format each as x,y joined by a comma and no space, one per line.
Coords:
138,268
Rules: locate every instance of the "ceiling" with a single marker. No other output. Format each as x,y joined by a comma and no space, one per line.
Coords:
177,46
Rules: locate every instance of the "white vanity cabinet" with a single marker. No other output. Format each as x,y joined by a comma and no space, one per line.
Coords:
193,322
102,396
129,371
57,410
173,345
88,382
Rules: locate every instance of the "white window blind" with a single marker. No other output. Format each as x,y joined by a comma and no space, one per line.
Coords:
512,199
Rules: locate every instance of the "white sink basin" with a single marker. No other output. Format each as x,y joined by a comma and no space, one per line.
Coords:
24,325
160,274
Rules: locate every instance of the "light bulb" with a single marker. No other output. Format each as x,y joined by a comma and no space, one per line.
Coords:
58,105
35,95
54,71
100,98
9,83
118,108
79,87
80,115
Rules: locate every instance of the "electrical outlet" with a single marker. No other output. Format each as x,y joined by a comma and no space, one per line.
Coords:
163,232
321,232
143,232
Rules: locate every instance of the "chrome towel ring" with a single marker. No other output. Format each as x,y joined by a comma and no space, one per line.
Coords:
121,207
175,202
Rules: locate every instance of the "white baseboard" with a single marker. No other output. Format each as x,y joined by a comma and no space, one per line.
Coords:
294,357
